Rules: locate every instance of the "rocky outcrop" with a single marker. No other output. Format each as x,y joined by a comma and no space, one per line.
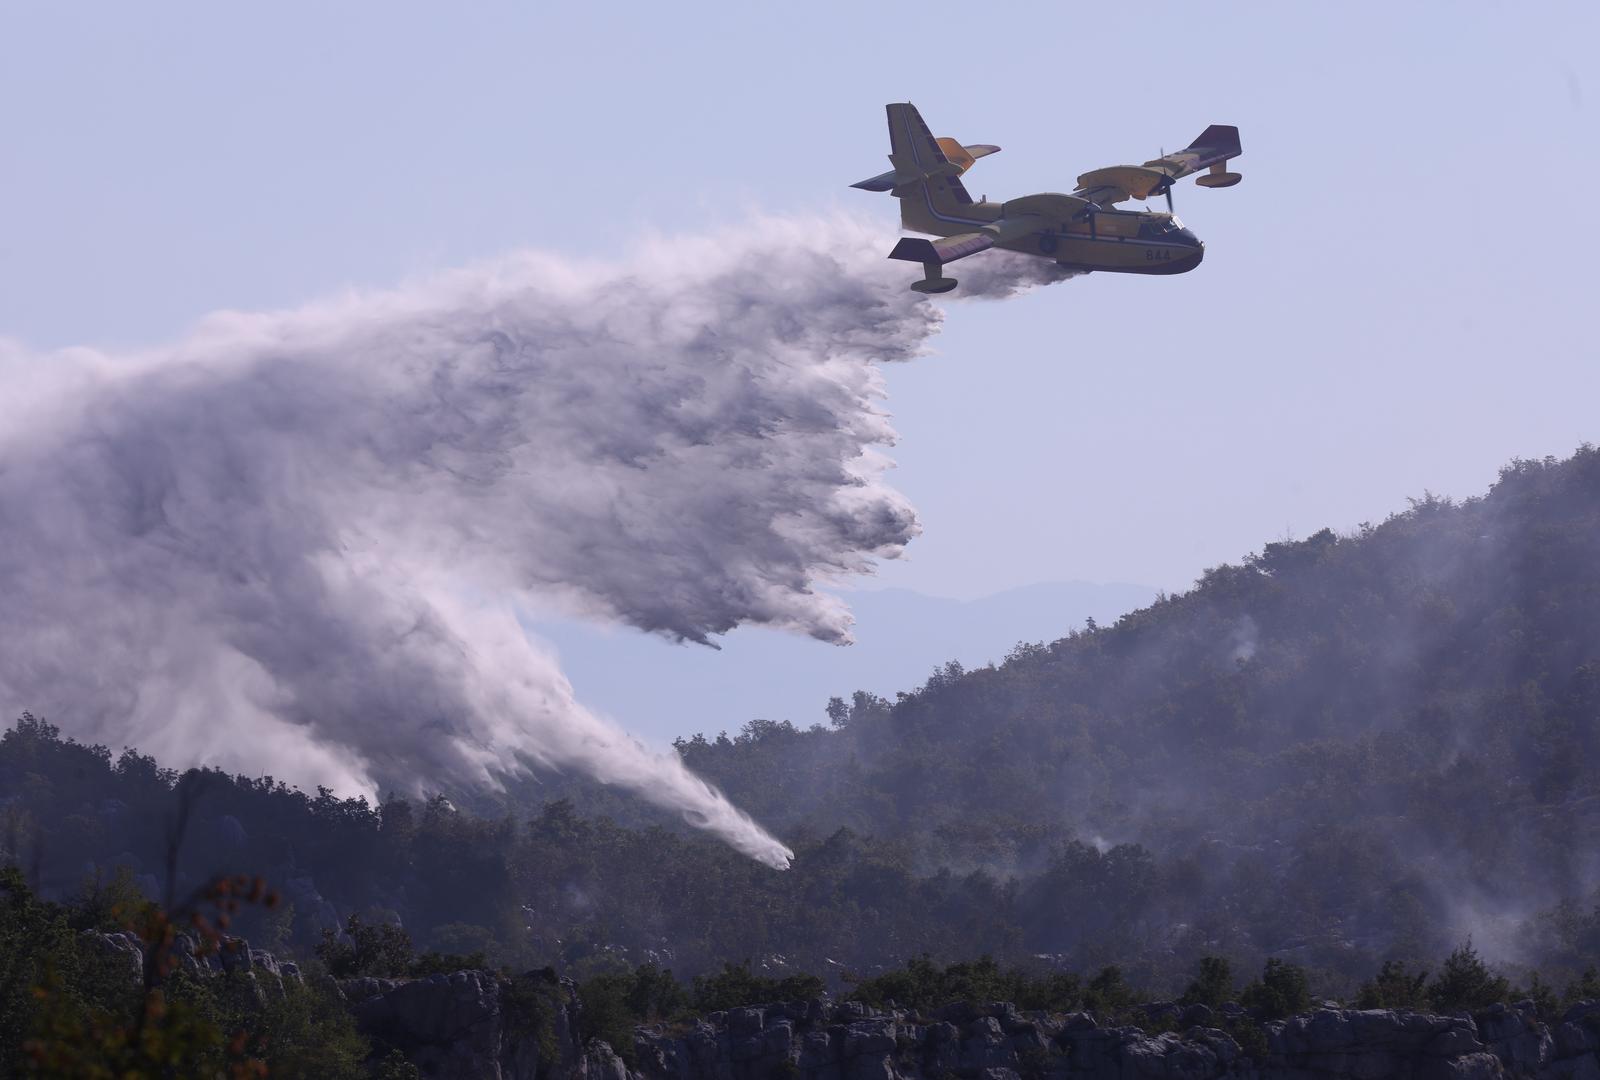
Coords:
123,948
466,1025
472,1024
262,976
823,1041
448,1025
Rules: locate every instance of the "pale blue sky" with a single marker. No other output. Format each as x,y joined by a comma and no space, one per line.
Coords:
1398,297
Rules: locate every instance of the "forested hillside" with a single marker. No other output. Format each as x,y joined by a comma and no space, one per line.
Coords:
1343,750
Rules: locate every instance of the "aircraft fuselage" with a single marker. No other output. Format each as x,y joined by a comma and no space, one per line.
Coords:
1115,241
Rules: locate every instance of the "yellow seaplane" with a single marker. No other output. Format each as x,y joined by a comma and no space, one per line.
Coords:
1080,231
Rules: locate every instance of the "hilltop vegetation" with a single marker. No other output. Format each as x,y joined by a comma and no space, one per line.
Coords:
83,998
1344,751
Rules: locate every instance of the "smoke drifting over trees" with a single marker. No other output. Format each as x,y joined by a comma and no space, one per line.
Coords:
287,543
1405,756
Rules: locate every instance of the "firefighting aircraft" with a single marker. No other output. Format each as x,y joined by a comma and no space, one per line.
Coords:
1079,231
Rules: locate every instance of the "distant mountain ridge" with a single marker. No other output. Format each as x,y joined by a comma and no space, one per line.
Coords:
901,636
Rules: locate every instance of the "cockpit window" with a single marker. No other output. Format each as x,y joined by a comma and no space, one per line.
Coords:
1160,228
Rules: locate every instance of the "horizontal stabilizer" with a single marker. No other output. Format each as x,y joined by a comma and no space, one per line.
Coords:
1212,149
881,182
962,157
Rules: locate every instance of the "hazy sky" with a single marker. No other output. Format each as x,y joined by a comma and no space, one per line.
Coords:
1399,296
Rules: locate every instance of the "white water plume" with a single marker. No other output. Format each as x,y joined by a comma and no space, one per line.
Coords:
294,543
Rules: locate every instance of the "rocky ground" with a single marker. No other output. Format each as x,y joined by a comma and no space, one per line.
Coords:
473,1024
823,1041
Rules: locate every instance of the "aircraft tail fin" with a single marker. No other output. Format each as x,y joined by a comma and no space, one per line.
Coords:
1215,144
912,147
920,159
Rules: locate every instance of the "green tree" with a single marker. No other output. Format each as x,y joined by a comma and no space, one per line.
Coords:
606,1013
309,1033
39,968
1282,991
1109,992
1584,988
171,1024
1466,982
1543,996
1212,986
394,1066
736,985
923,984
1394,987
366,949
615,1003
110,905
1057,991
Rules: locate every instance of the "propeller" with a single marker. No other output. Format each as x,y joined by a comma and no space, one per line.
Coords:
1164,187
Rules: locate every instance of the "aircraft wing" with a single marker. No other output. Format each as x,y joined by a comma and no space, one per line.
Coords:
1046,209
1215,146
950,248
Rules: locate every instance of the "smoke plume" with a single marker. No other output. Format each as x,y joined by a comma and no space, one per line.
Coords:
296,542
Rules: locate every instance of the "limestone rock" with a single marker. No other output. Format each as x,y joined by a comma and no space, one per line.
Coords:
600,1062
1584,1067
453,1026
1480,1066
122,947
448,1025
